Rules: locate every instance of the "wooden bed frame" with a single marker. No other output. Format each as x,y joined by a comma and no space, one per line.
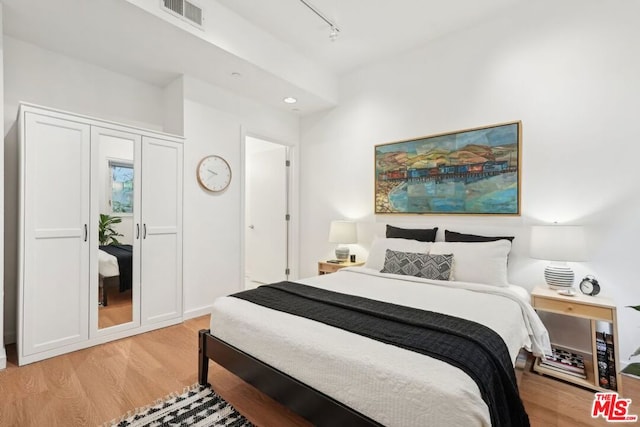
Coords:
318,408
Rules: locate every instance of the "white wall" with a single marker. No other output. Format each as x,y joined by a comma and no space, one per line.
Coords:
215,122
174,107
569,75
40,76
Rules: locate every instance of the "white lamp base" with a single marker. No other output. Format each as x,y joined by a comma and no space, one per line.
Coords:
559,276
342,253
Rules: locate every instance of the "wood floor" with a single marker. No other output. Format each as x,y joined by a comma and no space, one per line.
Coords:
95,385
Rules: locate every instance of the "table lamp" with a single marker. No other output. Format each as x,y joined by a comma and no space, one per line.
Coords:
343,232
558,244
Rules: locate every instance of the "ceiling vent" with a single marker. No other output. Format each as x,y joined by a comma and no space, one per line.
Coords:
184,9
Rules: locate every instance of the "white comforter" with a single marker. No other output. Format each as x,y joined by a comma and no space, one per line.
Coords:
107,264
393,386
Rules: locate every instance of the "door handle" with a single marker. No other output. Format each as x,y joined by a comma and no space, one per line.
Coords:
86,233
252,227
137,231
144,231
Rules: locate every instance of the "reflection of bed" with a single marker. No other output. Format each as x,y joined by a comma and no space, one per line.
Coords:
115,260
337,372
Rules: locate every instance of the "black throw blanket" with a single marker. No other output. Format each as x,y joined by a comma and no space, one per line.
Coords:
124,255
476,349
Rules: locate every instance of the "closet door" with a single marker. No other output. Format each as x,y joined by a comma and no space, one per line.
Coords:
161,230
54,282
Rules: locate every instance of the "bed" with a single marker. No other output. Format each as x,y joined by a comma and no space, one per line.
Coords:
114,261
335,377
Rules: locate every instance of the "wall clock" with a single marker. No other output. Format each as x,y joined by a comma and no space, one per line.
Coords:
213,173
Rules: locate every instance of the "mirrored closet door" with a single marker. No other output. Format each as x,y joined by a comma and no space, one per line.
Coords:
115,281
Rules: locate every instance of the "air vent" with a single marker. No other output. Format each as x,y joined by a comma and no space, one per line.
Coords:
193,13
185,10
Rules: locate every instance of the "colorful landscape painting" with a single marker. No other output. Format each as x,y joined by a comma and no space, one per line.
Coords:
473,171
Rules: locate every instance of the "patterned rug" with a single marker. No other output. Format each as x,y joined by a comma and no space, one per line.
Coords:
196,407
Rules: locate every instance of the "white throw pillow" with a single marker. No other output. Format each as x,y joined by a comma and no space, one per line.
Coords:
478,262
381,244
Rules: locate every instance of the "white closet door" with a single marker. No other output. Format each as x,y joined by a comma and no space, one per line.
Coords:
55,276
161,230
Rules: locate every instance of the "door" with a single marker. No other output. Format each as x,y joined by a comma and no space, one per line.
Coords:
266,209
55,269
161,257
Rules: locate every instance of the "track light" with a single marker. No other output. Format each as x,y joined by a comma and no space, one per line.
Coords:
335,31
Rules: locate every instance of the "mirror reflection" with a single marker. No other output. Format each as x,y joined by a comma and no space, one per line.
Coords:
116,232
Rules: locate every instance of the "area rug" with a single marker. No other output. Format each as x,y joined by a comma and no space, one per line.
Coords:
197,406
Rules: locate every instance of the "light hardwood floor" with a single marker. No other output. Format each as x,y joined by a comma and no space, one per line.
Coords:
91,386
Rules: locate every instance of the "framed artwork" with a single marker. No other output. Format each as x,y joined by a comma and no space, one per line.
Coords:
474,171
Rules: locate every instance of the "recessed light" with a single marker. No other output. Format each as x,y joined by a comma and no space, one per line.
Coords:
236,74
290,100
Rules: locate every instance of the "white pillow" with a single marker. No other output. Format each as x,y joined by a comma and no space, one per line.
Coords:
479,262
381,244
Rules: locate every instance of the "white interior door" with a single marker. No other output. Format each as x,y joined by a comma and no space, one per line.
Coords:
266,236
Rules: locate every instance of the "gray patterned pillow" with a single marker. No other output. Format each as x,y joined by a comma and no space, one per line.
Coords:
435,267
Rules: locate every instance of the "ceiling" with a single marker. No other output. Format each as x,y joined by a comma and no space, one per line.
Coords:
369,29
122,36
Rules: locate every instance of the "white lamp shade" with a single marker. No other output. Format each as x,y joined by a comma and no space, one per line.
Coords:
343,232
558,243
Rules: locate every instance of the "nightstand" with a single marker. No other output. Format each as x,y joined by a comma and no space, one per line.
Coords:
329,267
595,309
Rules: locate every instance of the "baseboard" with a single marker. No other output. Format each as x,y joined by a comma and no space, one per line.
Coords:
3,358
197,312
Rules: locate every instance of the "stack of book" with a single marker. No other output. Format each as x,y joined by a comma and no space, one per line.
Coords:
565,361
606,361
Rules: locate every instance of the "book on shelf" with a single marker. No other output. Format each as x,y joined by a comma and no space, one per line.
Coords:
611,360
582,375
603,362
564,361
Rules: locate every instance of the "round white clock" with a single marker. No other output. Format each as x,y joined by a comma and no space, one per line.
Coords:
213,173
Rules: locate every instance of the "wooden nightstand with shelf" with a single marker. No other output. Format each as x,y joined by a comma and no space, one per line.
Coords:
325,267
594,309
